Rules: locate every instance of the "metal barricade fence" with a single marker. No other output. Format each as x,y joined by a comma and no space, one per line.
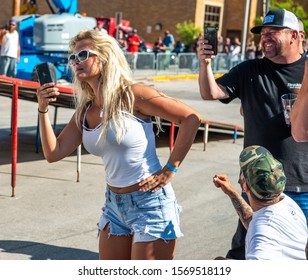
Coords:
221,63
175,64
224,62
141,63
166,63
151,64
188,62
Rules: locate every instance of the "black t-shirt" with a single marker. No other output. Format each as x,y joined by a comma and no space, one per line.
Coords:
259,84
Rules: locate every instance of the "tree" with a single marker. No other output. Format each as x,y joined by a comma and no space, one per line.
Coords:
187,32
289,5
293,7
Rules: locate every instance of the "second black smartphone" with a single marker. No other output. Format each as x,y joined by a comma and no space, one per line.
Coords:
43,73
210,34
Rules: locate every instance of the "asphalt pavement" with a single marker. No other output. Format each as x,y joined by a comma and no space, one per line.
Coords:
54,217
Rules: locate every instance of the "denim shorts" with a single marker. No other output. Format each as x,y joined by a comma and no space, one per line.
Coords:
147,216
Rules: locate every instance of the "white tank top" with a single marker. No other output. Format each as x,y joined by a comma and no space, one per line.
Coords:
10,45
129,162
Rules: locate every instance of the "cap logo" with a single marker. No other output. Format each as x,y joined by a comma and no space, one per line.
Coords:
269,19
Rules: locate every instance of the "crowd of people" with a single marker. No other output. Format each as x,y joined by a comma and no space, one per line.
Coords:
229,50
114,121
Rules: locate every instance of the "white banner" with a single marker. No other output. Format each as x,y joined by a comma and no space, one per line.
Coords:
154,270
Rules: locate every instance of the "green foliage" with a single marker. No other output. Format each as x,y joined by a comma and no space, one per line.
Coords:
293,7
289,5
258,20
187,32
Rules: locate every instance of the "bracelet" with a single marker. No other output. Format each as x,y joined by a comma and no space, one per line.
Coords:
172,168
42,111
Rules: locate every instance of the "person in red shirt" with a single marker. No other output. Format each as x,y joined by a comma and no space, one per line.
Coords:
133,42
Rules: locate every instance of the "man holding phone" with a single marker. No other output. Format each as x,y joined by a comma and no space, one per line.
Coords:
259,85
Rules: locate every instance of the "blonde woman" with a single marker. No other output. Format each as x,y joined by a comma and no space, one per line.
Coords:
140,218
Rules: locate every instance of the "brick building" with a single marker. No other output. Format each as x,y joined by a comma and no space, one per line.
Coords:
151,18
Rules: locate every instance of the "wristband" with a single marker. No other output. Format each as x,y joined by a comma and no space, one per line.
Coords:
172,168
42,112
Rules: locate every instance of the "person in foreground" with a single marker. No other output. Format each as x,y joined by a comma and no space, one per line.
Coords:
259,84
299,112
113,120
276,226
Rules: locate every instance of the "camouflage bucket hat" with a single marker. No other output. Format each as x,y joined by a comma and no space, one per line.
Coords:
263,173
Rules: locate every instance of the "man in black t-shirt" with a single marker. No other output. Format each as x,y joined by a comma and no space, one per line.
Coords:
259,85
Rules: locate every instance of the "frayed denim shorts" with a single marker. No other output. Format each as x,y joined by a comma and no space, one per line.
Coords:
147,216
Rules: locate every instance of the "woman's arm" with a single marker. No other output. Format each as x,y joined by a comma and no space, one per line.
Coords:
151,102
299,112
55,148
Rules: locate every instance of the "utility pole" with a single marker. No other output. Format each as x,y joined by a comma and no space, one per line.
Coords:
16,8
244,38
266,6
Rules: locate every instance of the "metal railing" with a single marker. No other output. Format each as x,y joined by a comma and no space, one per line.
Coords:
151,64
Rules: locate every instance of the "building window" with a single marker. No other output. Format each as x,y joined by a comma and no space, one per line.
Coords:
212,15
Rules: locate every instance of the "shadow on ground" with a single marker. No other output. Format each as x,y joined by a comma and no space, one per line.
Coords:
41,251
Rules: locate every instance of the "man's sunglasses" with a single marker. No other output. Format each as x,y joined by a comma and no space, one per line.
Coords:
81,56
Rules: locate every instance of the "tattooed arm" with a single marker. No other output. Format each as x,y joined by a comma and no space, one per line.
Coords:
242,208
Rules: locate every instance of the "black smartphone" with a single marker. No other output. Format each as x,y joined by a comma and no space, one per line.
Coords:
210,34
44,73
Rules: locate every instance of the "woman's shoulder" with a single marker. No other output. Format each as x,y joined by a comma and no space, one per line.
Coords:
144,92
141,89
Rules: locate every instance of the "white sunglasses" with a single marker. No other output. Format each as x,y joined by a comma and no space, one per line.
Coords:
81,56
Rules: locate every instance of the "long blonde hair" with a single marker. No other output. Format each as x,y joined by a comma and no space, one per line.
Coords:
115,82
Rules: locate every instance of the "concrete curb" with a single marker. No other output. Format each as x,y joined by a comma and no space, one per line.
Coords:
175,77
